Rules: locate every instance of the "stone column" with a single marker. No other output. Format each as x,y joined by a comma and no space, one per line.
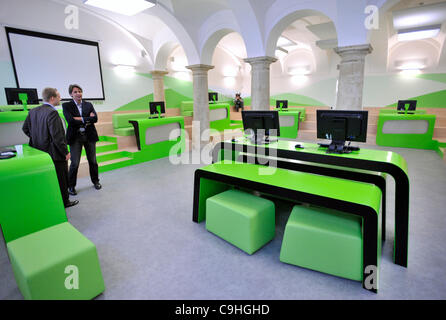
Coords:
200,123
158,85
351,76
260,82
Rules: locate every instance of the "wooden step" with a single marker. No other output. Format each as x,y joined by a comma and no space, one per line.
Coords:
104,128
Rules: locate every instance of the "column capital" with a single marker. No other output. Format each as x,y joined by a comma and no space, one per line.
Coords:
260,60
200,67
352,53
158,72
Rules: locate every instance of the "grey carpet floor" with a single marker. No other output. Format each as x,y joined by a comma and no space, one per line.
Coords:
149,248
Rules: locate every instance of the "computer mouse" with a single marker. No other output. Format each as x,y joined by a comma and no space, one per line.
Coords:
298,146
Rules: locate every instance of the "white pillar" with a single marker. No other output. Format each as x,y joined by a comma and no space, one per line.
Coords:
200,124
158,85
351,76
260,81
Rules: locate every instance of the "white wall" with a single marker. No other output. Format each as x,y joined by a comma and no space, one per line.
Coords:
116,47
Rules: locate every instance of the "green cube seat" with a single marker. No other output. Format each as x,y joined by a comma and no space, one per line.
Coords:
56,263
242,219
324,240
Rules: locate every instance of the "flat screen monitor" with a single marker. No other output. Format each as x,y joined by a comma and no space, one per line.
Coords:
340,126
411,105
281,104
213,97
263,124
155,105
12,95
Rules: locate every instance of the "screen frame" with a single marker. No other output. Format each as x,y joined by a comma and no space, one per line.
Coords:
21,90
154,104
343,114
246,114
10,30
285,106
213,93
402,103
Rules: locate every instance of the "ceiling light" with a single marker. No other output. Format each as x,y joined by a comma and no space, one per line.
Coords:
125,71
299,70
411,64
411,72
418,33
128,7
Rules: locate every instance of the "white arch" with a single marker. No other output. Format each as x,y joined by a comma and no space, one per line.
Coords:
182,35
213,30
284,12
248,27
114,23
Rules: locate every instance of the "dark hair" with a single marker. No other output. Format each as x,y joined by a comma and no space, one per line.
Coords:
48,93
72,86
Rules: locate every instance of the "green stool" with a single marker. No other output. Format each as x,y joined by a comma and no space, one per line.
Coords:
245,220
56,263
324,240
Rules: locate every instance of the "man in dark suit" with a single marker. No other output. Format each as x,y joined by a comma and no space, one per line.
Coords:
81,132
45,130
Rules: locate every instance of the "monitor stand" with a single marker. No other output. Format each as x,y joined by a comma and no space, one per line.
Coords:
261,139
338,147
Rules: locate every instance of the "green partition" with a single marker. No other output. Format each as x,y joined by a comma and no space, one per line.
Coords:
160,146
29,194
18,106
289,117
406,131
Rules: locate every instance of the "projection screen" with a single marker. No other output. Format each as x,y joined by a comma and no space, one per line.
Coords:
43,60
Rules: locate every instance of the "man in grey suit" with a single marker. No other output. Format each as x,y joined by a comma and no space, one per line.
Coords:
45,130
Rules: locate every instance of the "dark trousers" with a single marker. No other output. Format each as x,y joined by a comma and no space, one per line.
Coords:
75,150
238,105
62,177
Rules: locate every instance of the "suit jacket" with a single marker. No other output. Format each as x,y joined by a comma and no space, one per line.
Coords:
45,130
70,111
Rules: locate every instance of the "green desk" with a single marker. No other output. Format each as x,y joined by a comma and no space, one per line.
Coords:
29,194
157,136
289,124
406,130
318,190
365,159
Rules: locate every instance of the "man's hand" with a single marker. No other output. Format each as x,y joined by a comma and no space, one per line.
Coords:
68,156
92,114
77,118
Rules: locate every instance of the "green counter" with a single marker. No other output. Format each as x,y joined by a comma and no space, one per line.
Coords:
29,194
406,130
157,137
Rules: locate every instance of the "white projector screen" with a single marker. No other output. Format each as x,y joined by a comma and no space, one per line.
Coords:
42,60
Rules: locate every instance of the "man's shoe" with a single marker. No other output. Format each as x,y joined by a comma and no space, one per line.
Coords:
72,191
71,203
97,186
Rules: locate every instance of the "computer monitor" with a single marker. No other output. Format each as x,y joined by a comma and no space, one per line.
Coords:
213,97
340,126
281,104
12,95
411,104
155,105
263,124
